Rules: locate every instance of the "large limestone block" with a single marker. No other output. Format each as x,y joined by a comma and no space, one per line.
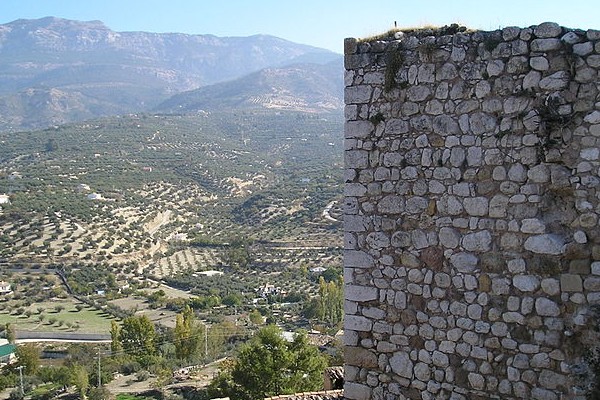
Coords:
546,244
546,307
356,391
547,30
357,259
402,365
557,81
478,241
357,323
360,293
464,262
391,204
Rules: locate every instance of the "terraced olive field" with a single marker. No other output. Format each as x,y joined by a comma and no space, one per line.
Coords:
166,196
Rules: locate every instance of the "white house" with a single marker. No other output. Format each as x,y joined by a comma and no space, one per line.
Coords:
5,288
210,273
82,187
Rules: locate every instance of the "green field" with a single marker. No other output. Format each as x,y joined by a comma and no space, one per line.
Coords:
88,320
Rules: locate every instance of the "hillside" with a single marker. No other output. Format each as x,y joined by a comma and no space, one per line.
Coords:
140,189
299,87
54,70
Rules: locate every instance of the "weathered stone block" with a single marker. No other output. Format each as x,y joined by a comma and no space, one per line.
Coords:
402,365
355,189
544,45
391,204
357,323
464,262
378,240
357,259
418,93
571,283
401,239
498,206
557,81
357,391
355,223
476,206
592,284
357,159
433,257
360,293
546,244
532,225
357,129
358,94
538,393
596,268
546,307
478,241
547,30
526,283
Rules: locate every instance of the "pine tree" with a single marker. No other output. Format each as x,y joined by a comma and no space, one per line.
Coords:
269,365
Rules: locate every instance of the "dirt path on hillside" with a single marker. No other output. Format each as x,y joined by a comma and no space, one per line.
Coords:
162,218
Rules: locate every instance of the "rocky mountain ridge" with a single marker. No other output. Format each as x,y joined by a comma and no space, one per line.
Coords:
298,87
54,70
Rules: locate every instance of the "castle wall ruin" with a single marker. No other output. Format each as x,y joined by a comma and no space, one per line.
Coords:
472,201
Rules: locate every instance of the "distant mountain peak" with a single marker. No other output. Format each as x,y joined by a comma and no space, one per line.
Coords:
56,23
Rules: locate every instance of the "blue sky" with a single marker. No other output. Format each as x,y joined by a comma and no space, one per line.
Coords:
322,23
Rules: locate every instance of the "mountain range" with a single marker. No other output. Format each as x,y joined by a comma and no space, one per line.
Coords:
54,71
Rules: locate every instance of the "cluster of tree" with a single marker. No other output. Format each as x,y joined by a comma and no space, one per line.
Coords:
72,373
188,335
328,306
137,346
86,279
238,254
204,302
269,365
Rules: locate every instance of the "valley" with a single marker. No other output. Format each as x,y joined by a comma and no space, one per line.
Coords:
168,198
234,214
174,193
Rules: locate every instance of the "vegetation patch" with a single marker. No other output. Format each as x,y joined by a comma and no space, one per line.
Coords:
393,65
377,118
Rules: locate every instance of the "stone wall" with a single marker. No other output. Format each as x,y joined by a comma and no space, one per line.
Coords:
472,241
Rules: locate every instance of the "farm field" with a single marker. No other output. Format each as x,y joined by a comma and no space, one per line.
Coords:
230,206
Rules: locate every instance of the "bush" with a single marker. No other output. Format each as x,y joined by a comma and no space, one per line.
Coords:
8,380
130,367
142,376
16,394
100,393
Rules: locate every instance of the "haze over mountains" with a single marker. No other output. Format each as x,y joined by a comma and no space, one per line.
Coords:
54,71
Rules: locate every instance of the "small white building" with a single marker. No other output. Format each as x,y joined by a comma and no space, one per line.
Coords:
4,199
268,289
82,187
5,288
94,196
210,273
